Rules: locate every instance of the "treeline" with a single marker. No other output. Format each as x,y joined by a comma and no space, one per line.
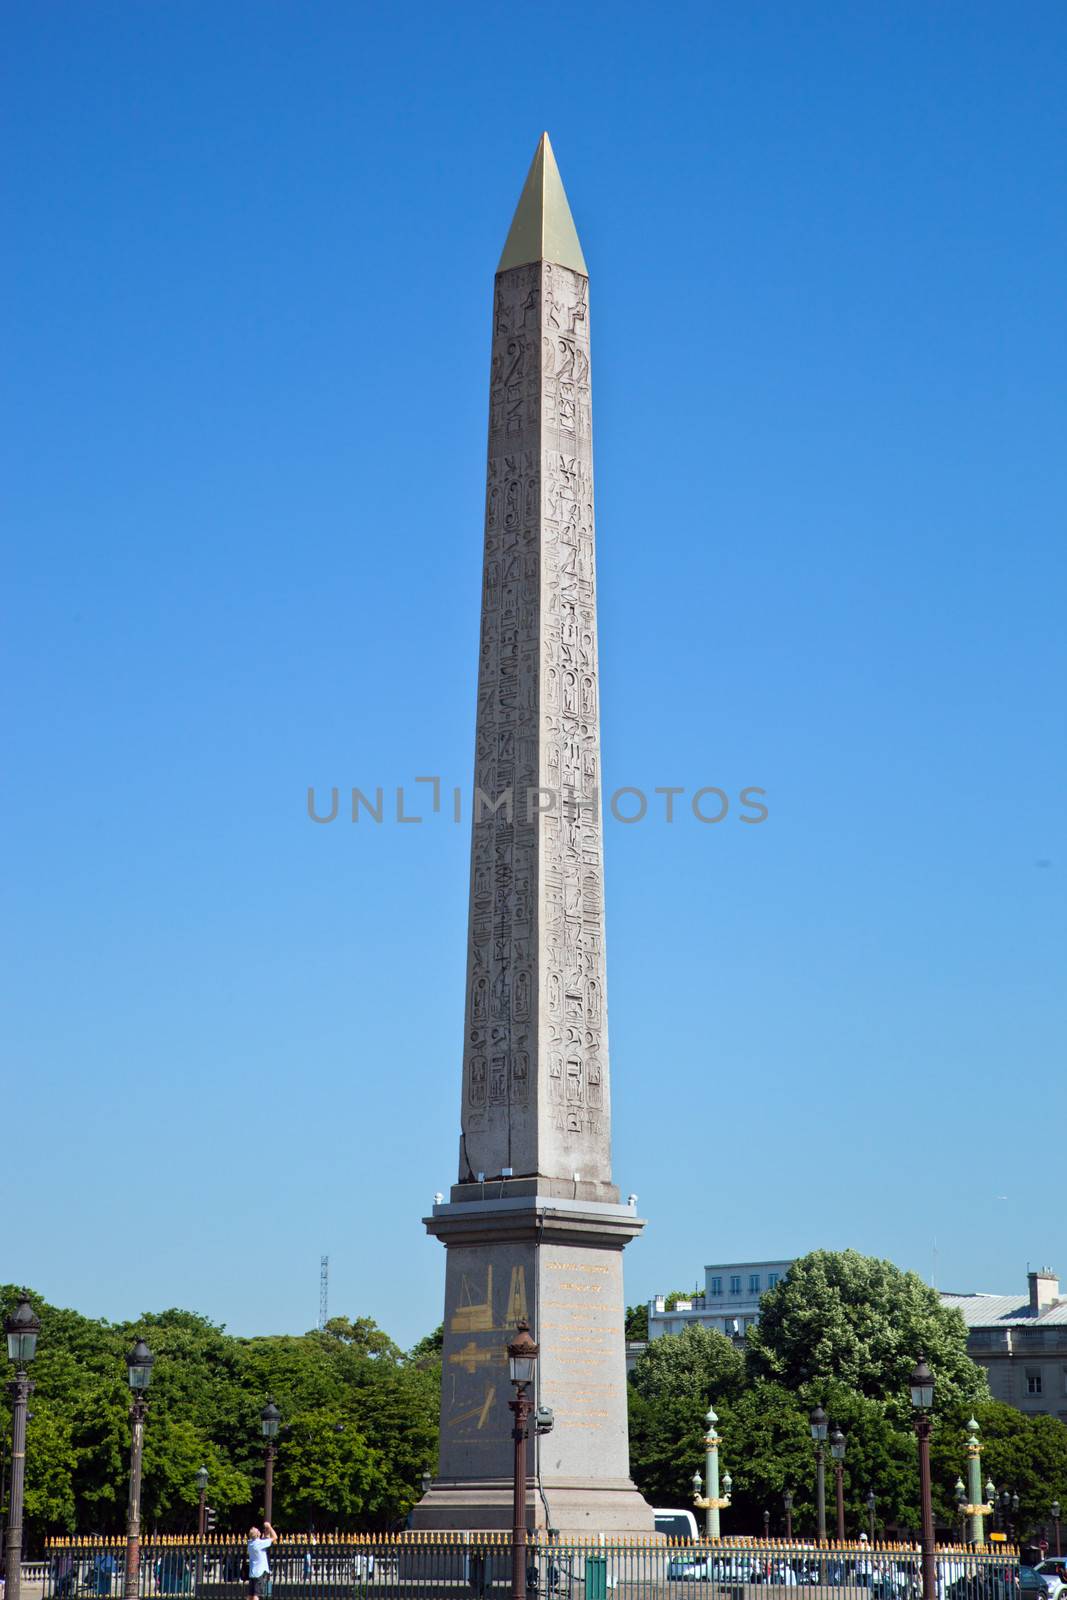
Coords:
360,1416
359,1424
841,1330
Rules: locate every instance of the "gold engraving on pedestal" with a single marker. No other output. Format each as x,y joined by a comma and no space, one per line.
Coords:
472,1316
478,1413
516,1310
471,1357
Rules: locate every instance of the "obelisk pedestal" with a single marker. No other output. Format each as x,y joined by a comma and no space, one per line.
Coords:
534,1228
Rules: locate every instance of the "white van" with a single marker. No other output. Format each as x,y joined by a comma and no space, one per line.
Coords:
676,1525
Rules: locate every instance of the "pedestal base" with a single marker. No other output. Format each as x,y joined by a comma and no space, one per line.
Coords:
576,1510
557,1262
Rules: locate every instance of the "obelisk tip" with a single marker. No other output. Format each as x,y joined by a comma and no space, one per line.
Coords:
542,228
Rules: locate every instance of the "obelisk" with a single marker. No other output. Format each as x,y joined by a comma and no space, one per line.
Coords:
534,1227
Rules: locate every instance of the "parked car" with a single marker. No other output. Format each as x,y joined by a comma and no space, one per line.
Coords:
1033,1583
1054,1571
984,1585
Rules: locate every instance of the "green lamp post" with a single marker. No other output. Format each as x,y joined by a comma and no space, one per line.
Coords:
977,1508
714,1501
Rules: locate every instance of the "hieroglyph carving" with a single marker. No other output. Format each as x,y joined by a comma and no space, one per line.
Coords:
536,1020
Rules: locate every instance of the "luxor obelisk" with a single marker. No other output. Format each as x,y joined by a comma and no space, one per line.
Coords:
534,1227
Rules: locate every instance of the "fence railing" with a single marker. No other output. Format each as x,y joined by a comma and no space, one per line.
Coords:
478,1567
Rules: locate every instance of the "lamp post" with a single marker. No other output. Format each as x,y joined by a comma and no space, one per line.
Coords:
961,1507
1055,1510
22,1328
787,1501
1008,1504
922,1399
269,1421
715,1501
201,1520
818,1433
837,1451
522,1365
976,1509
871,1503
766,1524
201,1524
139,1375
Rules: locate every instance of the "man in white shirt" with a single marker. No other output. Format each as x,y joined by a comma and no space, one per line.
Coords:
258,1565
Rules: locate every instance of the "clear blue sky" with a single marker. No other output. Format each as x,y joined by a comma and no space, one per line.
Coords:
248,272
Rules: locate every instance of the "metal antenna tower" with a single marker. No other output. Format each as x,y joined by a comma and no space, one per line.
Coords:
324,1290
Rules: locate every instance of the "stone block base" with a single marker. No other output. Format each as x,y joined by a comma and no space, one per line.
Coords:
614,1508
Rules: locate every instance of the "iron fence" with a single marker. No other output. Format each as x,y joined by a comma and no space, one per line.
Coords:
478,1567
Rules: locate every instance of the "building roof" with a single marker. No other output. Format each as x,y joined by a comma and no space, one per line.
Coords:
1005,1311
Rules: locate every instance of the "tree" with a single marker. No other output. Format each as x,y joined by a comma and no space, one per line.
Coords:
840,1315
359,1422
637,1324
427,1352
768,1448
363,1335
699,1365
332,1476
674,1380
1025,1454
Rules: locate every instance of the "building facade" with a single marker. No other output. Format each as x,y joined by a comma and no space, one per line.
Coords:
1021,1343
730,1302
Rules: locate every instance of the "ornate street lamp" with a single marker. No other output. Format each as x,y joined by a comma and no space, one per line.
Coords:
787,1502
522,1367
961,1506
139,1365
921,1385
22,1328
837,1450
1008,1504
871,1503
1055,1509
714,1502
976,1509
269,1422
201,1486
818,1433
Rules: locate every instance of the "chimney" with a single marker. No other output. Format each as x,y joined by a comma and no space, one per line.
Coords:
1044,1290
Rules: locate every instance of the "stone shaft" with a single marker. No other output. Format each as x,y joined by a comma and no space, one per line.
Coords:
535,1072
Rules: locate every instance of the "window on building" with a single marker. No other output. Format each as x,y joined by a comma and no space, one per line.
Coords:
1065,1380
772,1279
1033,1383
735,1283
753,1283
716,1286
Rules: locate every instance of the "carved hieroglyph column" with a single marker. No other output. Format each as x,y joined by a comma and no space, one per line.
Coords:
533,1226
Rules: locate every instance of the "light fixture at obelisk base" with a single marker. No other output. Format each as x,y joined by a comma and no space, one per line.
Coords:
533,1227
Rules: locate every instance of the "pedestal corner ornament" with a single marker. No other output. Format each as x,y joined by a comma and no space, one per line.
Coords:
533,1227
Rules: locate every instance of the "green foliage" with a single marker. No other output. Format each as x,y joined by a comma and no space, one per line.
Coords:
843,1330
428,1352
840,1315
637,1324
693,1365
1024,1454
359,1423
673,1380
